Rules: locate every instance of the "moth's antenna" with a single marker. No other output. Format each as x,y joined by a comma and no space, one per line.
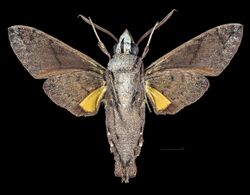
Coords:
100,43
145,51
159,25
99,27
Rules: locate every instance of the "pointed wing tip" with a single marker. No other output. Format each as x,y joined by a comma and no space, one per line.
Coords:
13,30
236,32
14,27
237,27
232,24
240,28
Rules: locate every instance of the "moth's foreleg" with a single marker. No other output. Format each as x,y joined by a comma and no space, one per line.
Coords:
100,43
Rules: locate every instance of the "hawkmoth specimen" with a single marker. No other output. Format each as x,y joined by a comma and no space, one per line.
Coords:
79,84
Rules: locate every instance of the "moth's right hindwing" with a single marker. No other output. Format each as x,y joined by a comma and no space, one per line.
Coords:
180,87
71,75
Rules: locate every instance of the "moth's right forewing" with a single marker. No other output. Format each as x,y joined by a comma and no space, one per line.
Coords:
207,54
45,56
69,90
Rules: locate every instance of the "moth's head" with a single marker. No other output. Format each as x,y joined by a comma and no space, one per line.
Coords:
126,44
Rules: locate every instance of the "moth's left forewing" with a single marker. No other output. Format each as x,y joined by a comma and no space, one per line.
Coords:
180,74
44,56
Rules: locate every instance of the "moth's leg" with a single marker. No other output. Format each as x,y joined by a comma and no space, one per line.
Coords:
145,51
111,78
100,43
146,101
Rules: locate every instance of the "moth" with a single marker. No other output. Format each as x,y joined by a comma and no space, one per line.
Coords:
79,84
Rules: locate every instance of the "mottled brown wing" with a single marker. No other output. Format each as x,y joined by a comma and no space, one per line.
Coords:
180,74
68,90
207,54
44,56
71,75
180,87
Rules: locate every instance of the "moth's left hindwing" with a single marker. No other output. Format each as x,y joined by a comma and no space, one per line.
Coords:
177,79
74,80
71,90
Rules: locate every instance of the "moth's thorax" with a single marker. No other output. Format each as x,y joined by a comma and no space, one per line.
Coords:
126,72
126,44
123,62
